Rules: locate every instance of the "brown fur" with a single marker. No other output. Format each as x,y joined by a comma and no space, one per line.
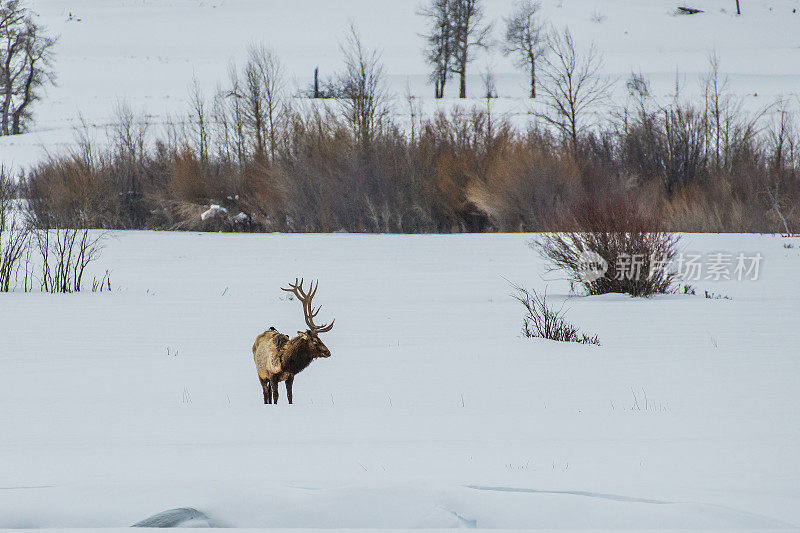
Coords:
279,358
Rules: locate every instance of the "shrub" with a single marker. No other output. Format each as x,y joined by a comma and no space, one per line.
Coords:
65,254
546,322
188,182
14,236
611,247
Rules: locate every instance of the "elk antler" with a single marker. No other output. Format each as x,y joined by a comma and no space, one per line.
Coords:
308,310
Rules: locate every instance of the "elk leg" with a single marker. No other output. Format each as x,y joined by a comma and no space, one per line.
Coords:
274,387
265,385
289,382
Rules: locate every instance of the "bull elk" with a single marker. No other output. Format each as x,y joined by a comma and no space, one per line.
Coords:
279,358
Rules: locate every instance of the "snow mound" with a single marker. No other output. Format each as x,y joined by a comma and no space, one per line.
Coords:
181,517
213,211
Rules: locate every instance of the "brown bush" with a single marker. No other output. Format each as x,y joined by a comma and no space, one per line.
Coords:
612,247
526,185
189,183
462,171
71,192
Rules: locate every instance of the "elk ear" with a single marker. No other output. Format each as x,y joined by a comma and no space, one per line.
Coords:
301,333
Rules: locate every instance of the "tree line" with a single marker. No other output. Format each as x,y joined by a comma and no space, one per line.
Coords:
455,28
251,157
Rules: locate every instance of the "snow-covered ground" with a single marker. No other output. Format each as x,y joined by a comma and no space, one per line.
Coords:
432,412
146,52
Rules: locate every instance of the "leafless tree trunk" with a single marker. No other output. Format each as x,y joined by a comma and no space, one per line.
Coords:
198,104
414,113
728,126
264,99
37,72
782,143
525,38
130,139
25,54
438,52
468,31
12,37
230,117
572,86
254,106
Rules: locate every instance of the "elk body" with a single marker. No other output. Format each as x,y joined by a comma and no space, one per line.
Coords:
279,358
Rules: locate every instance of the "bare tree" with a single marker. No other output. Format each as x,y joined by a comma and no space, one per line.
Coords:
198,119
37,73
572,86
467,32
414,113
439,52
738,9
525,38
729,128
365,96
264,98
229,118
12,22
25,65
489,83
782,144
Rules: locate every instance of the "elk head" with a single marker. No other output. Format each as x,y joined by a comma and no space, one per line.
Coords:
311,335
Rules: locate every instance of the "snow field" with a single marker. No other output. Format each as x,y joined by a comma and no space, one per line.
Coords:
432,411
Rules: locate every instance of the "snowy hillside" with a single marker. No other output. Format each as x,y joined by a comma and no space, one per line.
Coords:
432,412
145,52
